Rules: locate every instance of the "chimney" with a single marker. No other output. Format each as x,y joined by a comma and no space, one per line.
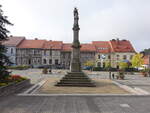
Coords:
117,40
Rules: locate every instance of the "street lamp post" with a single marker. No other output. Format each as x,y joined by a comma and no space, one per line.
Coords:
109,64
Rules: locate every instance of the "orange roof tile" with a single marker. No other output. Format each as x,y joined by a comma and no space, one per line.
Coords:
67,47
84,47
32,44
13,41
122,46
53,45
88,48
102,46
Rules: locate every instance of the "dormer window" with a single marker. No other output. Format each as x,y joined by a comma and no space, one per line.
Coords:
102,48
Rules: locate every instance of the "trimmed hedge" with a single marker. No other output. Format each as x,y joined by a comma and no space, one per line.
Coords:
99,69
23,67
131,70
114,69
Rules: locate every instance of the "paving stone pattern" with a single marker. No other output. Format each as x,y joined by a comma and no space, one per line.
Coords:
77,104
74,104
36,74
136,81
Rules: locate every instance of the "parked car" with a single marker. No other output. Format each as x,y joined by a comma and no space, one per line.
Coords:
87,67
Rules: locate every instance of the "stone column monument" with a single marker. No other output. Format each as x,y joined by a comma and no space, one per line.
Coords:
75,56
76,77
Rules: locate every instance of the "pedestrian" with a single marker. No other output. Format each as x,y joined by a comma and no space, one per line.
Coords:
113,76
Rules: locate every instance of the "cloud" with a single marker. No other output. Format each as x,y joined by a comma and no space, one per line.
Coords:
99,19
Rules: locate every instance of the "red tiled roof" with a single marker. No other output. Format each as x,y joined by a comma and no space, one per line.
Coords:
88,48
84,47
53,45
67,47
13,41
121,46
102,46
32,44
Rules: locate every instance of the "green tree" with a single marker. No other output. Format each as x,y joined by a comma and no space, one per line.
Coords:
89,63
108,64
3,37
137,60
123,65
146,51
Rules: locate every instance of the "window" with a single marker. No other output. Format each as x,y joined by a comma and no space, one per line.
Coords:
50,61
29,61
118,57
99,56
98,64
104,64
44,52
44,61
56,61
117,67
50,52
11,50
124,57
131,57
102,48
109,57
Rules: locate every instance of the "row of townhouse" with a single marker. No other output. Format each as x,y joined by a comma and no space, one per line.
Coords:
22,51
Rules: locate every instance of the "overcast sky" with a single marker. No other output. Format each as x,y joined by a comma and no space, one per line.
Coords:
99,20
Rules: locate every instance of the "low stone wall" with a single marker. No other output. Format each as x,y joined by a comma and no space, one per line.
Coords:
14,87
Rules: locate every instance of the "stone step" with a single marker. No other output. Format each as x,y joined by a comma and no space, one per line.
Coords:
76,74
86,80
76,79
75,82
77,85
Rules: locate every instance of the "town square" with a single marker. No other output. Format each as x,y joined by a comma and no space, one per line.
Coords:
95,57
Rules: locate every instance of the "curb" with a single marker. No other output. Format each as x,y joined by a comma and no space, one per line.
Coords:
135,90
100,95
33,88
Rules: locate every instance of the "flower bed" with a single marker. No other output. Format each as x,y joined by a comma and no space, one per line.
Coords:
12,79
13,84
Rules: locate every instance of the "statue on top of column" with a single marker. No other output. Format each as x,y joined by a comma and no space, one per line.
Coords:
76,18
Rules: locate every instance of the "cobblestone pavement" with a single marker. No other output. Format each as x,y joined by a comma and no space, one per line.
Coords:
75,104
78,104
131,80
137,81
36,74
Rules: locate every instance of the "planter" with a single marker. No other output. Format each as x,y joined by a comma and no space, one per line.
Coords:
121,77
14,87
144,74
45,71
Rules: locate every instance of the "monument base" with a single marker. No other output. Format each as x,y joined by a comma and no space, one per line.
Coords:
76,79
